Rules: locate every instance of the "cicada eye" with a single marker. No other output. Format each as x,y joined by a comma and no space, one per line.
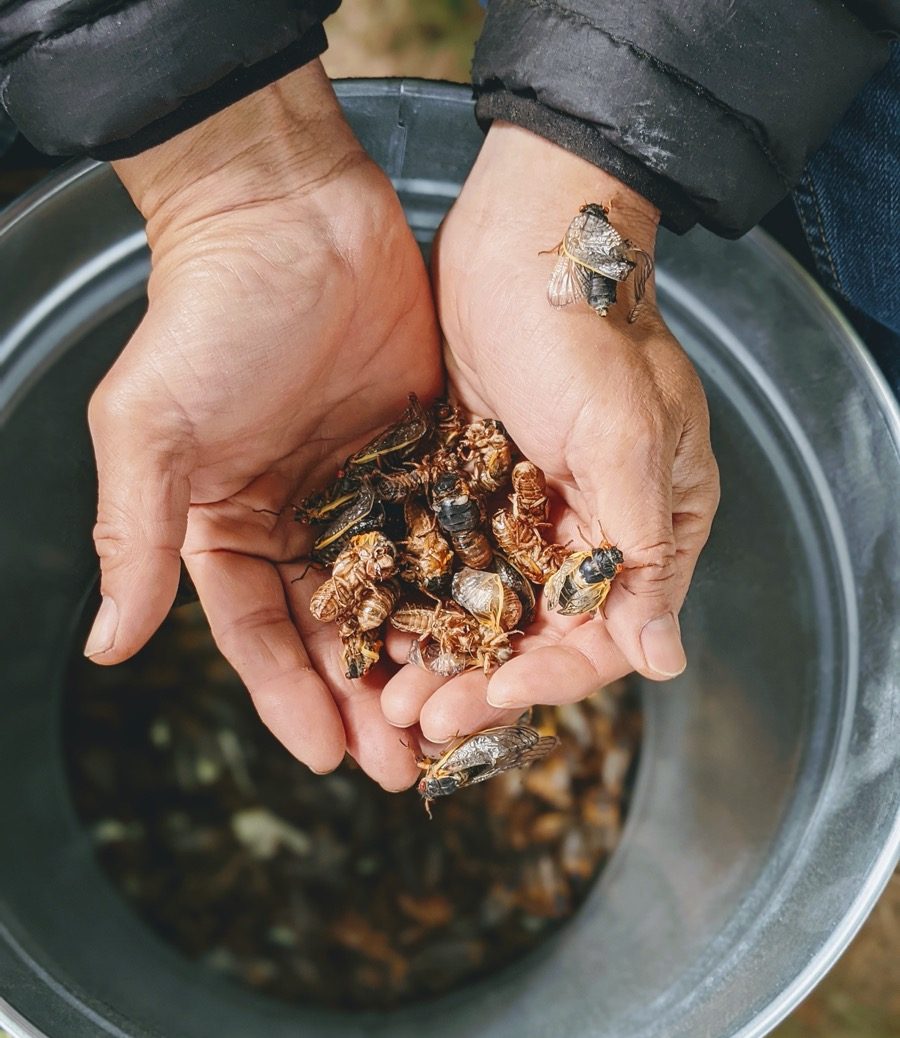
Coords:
445,483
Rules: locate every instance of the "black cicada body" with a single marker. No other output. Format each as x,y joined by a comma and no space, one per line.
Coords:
593,256
364,513
457,509
582,582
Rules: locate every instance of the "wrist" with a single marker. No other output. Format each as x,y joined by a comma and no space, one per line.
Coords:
544,184
283,140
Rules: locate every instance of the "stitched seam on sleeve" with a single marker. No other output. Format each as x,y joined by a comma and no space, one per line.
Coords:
673,73
30,41
113,7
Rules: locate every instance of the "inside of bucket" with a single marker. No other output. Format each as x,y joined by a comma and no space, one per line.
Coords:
734,756
326,890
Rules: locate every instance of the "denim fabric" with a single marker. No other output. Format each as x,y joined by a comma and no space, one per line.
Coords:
849,205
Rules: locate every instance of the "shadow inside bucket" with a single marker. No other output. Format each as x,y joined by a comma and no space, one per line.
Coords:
327,890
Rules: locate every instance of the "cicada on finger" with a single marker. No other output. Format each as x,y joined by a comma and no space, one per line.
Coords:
582,582
593,257
476,758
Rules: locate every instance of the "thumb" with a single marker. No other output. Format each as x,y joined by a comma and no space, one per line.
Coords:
143,498
645,599
641,610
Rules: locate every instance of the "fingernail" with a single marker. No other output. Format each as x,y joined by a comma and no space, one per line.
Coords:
103,633
661,642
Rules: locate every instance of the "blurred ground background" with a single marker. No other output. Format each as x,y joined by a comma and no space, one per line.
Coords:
434,39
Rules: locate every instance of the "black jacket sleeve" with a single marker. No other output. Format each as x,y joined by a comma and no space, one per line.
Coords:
110,78
709,109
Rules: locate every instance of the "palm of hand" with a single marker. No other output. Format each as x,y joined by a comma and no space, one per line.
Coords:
274,354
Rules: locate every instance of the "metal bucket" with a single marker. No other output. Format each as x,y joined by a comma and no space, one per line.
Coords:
765,819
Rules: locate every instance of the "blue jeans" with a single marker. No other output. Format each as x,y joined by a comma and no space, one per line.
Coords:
849,205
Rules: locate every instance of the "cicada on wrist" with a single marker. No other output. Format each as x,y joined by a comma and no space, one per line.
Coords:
593,257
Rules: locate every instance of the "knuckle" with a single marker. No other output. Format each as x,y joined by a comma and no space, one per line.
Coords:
112,542
654,563
122,541
109,405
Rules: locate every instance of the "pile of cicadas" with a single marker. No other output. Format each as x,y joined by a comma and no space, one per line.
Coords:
414,536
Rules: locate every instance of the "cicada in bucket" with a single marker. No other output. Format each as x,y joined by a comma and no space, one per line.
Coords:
475,758
593,257
582,582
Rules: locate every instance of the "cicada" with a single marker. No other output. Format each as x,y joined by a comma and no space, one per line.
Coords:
460,515
361,650
521,539
516,581
396,441
321,506
582,582
487,598
463,641
364,513
475,758
486,447
593,256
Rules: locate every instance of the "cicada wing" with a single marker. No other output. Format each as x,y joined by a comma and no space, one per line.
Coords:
556,582
546,744
568,282
361,506
523,748
643,270
491,752
594,243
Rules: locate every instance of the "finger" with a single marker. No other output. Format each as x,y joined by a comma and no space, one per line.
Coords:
642,612
406,693
143,498
575,667
244,602
460,707
377,746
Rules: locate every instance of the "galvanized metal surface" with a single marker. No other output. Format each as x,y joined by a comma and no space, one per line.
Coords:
767,814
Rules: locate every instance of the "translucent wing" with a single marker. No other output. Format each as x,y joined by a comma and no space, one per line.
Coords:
642,272
496,750
594,243
360,507
409,428
568,282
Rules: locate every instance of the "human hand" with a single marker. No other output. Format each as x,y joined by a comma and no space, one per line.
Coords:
290,315
613,412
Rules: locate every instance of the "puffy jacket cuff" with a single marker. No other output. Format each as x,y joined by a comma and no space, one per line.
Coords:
727,103
581,138
220,95
144,72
